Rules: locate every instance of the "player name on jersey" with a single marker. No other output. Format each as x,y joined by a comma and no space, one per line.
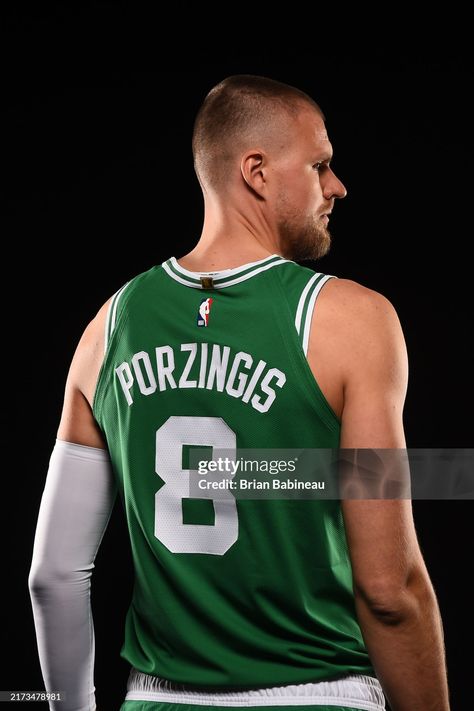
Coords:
239,375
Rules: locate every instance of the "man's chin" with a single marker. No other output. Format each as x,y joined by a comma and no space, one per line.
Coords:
312,248
302,243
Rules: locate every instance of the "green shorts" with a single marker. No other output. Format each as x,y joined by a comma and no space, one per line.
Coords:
163,706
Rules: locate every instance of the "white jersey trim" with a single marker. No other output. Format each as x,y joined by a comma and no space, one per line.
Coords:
307,302
309,312
301,302
356,691
179,279
107,324
225,274
222,272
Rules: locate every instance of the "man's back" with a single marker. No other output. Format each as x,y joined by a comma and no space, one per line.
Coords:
228,591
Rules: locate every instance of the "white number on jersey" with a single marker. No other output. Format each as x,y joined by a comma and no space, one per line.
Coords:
181,537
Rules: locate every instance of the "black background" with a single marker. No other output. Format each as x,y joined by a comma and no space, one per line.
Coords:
99,185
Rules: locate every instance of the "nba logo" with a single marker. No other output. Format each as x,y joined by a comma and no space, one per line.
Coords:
203,313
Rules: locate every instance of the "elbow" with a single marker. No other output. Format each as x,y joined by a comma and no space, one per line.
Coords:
44,580
40,581
391,609
393,604
36,580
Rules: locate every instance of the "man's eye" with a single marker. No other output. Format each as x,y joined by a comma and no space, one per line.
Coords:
317,167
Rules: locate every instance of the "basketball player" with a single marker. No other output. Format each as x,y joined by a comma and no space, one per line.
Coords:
249,602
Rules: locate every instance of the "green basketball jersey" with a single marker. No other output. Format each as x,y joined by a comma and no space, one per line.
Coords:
229,593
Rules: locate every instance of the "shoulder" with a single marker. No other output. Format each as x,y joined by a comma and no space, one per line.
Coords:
77,423
90,351
362,327
353,307
342,295
93,336
353,304
99,330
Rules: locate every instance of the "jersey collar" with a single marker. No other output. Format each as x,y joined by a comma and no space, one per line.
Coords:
224,277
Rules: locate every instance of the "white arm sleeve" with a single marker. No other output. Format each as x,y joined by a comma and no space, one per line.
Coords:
77,502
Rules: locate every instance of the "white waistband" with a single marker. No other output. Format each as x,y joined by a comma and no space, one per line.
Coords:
357,691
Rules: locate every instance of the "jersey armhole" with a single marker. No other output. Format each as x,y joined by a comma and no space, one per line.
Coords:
306,306
302,322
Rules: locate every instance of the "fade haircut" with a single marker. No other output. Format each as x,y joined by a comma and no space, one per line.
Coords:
240,106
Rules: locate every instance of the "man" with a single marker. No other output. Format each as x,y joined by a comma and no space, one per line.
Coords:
240,602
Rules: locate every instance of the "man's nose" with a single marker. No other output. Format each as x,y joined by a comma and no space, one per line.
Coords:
334,187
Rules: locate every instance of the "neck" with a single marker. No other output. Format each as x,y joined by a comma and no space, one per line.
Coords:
231,237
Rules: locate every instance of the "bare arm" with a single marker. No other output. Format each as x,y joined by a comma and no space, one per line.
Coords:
395,601
77,423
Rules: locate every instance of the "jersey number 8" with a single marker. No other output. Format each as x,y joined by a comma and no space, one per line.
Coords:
177,536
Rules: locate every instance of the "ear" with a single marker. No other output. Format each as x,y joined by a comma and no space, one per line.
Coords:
253,166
